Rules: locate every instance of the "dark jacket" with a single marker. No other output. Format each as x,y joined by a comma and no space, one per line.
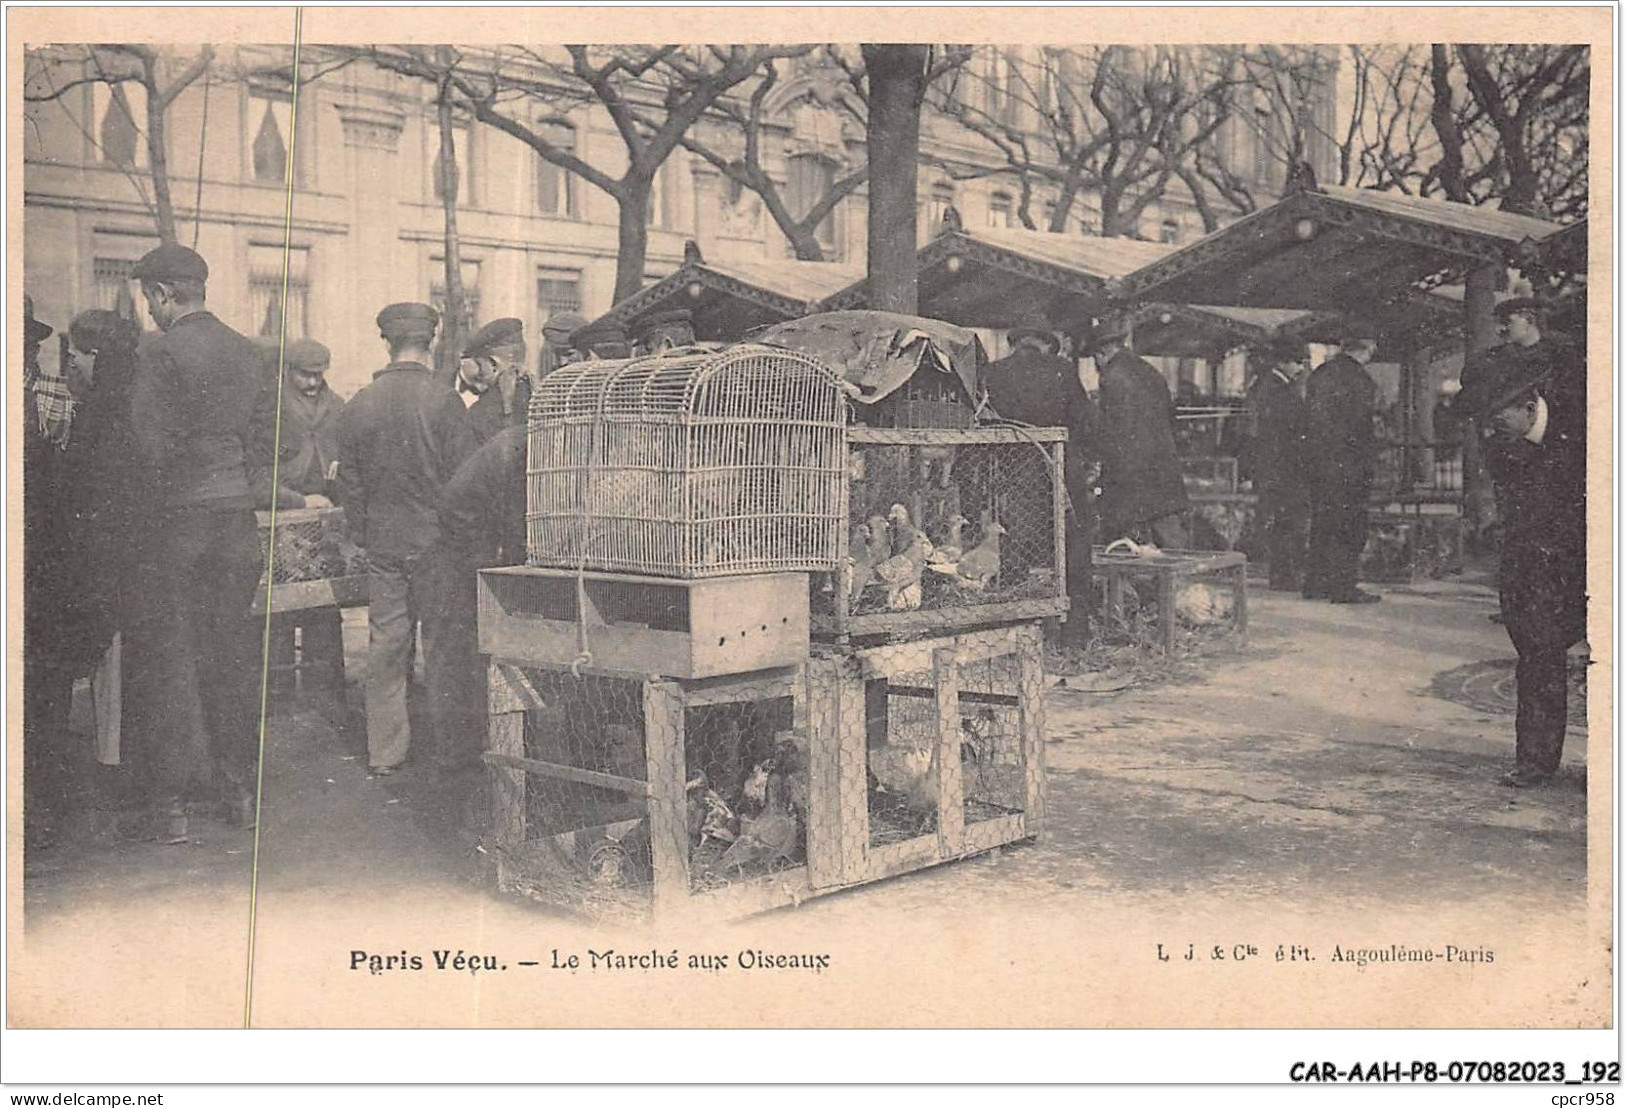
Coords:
203,416
1139,467
1542,487
310,439
400,440
1279,448
482,508
486,416
1342,401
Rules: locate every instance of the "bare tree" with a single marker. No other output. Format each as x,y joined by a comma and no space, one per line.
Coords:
448,185
897,80
1114,123
163,77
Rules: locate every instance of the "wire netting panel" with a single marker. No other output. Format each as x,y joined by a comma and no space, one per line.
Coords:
746,791
687,464
586,830
901,741
988,515
993,762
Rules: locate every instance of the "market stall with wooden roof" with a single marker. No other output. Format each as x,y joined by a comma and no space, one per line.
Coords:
729,298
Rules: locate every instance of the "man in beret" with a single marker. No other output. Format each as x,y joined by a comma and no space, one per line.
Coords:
495,358
1528,396
1142,487
400,440
1036,386
1280,461
203,425
1342,446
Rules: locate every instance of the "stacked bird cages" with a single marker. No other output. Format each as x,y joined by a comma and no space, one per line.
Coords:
689,464
626,797
307,563
948,528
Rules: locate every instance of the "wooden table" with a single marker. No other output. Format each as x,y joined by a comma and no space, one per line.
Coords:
1171,568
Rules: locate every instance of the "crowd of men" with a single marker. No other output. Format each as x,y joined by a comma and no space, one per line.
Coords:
147,457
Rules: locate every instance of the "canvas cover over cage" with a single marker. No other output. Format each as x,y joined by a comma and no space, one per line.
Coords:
691,463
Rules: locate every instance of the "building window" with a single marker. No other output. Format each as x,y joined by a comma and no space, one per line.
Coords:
556,186
270,122
266,306
117,292
471,292
119,108
1000,210
663,197
942,198
1170,231
557,292
1002,92
462,149
811,178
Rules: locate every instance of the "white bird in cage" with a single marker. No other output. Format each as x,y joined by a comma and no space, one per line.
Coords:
979,566
952,548
859,568
904,533
905,771
900,574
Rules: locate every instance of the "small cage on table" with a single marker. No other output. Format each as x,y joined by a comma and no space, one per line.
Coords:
688,464
990,504
306,565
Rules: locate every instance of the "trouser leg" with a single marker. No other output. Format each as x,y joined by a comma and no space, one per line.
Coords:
452,666
1079,583
231,666
390,628
1543,703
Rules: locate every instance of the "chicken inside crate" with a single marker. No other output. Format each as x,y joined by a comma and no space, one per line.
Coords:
948,527
585,843
905,750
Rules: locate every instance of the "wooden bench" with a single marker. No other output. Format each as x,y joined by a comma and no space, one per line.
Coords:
1172,568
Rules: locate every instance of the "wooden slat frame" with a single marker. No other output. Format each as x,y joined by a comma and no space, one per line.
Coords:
663,729
950,774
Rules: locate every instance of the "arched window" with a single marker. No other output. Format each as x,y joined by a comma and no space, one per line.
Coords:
1000,210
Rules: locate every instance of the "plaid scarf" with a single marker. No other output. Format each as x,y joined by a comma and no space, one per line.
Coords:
54,404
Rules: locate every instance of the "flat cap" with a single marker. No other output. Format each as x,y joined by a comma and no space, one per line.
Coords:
1502,382
1518,305
596,333
1033,324
171,262
407,318
309,355
93,330
497,333
561,325
1111,329
33,330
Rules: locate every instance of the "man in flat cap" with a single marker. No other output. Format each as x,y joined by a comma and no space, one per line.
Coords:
1142,487
203,424
1342,446
1036,386
1528,396
308,469
606,341
663,331
495,358
556,345
400,440
1280,460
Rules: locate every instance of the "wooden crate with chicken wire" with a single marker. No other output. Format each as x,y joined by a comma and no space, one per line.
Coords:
947,528
688,464
626,796
307,563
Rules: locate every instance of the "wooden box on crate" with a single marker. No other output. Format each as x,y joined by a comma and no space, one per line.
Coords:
629,797
993,494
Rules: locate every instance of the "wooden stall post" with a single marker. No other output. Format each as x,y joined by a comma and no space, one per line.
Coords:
668,825
506,738
1030,660
950,774
852,759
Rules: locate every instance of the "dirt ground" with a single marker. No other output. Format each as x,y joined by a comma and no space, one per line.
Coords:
1337,775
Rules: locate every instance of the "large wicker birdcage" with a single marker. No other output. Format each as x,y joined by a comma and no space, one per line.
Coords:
692,463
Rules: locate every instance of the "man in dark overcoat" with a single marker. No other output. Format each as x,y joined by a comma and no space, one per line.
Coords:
1279,462
1342,447
1142,487
1528,396
401,438
482,524
1036,386
203,423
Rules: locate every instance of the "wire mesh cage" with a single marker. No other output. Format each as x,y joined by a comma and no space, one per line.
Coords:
306,565
628,797
948,528
692,463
